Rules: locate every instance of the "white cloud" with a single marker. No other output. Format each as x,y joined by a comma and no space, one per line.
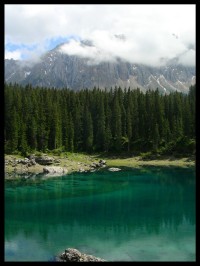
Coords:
148,29
188,58
13,55
144,49
97,53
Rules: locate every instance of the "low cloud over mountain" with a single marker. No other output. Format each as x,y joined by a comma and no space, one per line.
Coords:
79,65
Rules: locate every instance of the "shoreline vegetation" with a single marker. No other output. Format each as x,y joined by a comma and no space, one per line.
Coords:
79,162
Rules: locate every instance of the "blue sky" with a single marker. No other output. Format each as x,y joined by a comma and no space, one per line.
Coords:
151,32
29,49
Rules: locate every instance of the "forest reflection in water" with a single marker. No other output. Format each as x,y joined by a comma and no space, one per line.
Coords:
106,206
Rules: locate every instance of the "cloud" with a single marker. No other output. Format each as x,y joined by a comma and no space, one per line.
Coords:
150,30
13,55
188,58
96,53
139,48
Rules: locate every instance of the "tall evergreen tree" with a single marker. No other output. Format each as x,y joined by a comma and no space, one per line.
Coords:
156,137
71,133
129,128
87,131
116,124
100,125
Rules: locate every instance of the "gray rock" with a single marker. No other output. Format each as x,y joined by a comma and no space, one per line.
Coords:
54,170
113,169
82,170
73,255
102,162
24,161
44,160
31,156
32,162
93,165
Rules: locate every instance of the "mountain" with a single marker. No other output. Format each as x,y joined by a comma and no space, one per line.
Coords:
57,69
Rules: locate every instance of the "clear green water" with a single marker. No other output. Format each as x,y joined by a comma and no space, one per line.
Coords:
132,215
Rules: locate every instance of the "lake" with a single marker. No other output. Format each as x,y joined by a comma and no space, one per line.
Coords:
146,214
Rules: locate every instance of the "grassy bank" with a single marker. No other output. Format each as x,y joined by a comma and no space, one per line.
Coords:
139,162
73,162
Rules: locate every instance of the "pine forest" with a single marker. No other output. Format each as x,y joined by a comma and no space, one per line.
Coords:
113,121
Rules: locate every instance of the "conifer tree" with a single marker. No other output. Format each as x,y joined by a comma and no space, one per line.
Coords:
129,128
116,124
100,125
88,131
71,133
156,137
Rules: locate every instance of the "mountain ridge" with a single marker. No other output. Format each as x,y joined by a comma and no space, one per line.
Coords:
60,70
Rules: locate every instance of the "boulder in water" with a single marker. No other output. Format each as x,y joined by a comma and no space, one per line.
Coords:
72,254
113,169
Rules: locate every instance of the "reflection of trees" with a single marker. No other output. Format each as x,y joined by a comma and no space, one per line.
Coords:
162,201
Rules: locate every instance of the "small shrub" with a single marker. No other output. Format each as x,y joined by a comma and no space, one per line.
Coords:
24,153
152,155
16,152
57,152
146,155
38,154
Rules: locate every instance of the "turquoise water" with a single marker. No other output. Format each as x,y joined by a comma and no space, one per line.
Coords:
144,214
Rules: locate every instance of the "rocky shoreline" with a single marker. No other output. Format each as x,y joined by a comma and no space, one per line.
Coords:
48,166
53,165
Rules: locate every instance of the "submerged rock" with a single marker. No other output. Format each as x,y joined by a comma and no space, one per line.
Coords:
113,169
72,254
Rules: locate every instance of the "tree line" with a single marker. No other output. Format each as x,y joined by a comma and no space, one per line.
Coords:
115,120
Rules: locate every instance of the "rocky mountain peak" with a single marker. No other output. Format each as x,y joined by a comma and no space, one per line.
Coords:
60,70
